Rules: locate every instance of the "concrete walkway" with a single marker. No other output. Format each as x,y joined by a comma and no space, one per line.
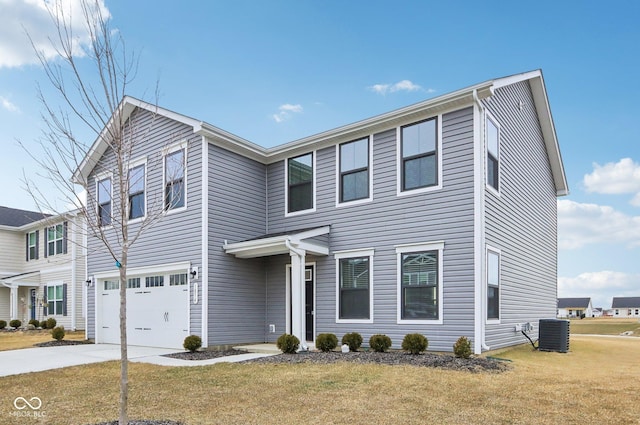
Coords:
15,362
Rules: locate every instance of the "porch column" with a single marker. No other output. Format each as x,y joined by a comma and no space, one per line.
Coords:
13,305
297,296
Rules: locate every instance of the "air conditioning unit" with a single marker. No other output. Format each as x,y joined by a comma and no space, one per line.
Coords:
553,335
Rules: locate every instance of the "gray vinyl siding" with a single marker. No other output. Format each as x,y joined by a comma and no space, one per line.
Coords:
175,236
390,220
237,211
522,221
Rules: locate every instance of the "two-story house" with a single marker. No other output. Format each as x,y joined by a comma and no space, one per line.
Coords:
437,218
42,267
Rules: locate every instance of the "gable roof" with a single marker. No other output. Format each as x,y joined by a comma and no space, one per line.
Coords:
625,302
12,217
461,98
573,302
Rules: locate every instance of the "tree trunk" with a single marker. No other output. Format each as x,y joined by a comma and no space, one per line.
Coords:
123,418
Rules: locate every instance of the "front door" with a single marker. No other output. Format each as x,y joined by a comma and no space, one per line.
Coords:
308,302
33,304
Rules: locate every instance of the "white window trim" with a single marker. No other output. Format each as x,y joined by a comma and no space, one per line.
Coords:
486,286
399,191
54,283
368,199
183,144
132,165
489,116
49,241
421,247
287,314
286,185
98,179
352,253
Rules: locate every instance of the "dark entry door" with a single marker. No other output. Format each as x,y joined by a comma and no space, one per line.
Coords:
33,304
308,302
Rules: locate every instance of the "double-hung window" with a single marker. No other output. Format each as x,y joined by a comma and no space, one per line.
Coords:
174,179
32,245
300,183
419,155
136,192
493,285
56,300
354,291
354,170
55,239
104,201
420,282
493,154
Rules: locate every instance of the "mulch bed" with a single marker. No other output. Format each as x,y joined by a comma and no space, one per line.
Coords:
204,355
54,343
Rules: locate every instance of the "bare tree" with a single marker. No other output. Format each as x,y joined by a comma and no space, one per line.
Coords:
90,80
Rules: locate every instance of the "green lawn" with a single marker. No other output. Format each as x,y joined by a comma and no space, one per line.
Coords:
605,326
598,381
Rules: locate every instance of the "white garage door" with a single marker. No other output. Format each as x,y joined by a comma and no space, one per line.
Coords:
157,311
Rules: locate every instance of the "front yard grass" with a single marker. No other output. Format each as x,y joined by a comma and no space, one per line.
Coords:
598,381
604,326
15,340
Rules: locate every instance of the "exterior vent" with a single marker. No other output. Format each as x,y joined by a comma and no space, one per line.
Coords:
554,335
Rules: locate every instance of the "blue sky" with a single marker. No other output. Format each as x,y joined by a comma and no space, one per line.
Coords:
276,71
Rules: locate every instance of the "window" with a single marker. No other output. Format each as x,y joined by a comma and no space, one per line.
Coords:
493,154
32,245
56,300
136,192
55,238
174,167
104,201
419,155
154,281
178,279
110,285
133,282
493,285
300,183
354,170
354,293
420,283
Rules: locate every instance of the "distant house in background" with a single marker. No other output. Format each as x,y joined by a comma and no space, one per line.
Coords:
42,267
626,306
597,312
574,307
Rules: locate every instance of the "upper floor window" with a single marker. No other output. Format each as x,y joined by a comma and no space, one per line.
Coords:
493,154
354,170
420,282
32,245
174,167
136,192
55,239
493,285
104,201
300,183
354,292
419,155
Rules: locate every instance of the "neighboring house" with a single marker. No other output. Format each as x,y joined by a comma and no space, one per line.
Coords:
437,218
597,312
42,267
574,307
626,306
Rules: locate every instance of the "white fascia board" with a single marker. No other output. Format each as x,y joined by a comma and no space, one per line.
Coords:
145,270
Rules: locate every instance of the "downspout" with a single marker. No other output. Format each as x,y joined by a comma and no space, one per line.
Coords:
479,225
74,264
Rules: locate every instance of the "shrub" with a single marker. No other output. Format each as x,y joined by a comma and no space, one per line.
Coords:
462,348
34,322
288,344
326,342
415,343
353,340
51,323
380,343
3,324
15,323
192,343
57,333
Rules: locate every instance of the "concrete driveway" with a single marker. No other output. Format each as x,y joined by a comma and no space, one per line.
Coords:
15,362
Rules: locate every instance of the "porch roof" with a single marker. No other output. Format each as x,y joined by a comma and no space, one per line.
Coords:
19,279
281,243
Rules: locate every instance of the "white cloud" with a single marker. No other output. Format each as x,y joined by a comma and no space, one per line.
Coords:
8,105
404,85
584,224
285,111
617,178
601,286
20,17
